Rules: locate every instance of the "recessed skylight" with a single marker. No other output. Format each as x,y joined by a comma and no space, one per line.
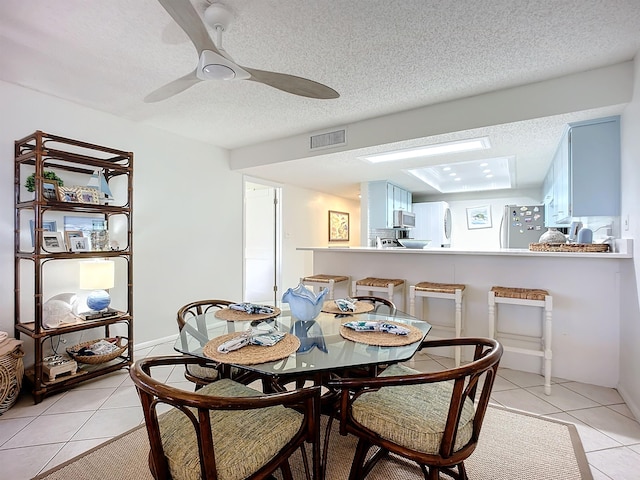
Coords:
486,174
430,150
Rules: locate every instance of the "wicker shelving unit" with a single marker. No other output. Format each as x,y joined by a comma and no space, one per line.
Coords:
36,274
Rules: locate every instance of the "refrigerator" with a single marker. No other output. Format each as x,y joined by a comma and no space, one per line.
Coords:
433,222
521,225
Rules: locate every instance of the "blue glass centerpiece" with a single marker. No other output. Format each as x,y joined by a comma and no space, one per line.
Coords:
304,304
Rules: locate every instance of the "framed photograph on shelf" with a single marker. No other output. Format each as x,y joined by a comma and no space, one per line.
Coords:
68,194
479,217
88,195
46,227
53,242
50,190
338,226
69,235
79,244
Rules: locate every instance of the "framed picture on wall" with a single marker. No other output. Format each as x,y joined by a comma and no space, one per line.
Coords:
479,217
338,226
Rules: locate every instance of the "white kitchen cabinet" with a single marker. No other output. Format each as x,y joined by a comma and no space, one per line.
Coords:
383,198
585,172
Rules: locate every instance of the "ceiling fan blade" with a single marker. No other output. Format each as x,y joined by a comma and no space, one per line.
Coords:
292,84
185,15
173,88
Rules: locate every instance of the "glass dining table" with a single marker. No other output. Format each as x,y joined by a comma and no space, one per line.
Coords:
323,349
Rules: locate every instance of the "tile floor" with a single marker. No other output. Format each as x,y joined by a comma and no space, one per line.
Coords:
35,438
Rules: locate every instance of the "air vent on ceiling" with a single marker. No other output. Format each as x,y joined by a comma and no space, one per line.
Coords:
328,139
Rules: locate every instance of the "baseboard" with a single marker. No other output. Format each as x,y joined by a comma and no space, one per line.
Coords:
153,343
628,399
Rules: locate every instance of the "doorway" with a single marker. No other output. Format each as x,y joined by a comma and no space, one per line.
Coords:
262,242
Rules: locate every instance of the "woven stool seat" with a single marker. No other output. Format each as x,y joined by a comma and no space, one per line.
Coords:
442,291
439,287
523,293
525,297
325,278
379,282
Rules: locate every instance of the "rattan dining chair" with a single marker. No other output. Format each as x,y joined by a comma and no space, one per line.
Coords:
380,305
225,430
204,374
433,419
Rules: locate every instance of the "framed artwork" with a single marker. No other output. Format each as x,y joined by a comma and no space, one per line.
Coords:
479,217
84,224
79,244
88,195
50,190
46,226
68,194
69,235
53,242
338,226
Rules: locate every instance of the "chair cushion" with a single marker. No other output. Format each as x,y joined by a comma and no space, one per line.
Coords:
205,373
413,416
244,440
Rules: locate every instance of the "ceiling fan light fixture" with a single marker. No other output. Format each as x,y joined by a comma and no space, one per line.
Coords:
218,72
213,66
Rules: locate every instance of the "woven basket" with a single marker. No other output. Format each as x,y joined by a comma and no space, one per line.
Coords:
569,247
96,359
11,372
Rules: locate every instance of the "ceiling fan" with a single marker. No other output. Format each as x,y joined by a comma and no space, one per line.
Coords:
216,64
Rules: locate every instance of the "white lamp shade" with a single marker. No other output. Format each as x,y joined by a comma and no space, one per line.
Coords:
97,275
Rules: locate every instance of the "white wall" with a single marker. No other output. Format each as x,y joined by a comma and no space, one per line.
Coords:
630,311
305,216
180,229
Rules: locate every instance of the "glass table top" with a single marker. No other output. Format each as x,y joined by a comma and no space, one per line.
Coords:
322,348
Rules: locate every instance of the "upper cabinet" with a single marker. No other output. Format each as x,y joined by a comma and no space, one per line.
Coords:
584,178
383,198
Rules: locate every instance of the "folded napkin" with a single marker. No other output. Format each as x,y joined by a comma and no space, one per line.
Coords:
377,327
251,308
253,336
346,304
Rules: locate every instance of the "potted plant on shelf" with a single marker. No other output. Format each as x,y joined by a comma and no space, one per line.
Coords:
30,184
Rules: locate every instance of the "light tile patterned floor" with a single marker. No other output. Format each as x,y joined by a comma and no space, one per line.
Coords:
34,438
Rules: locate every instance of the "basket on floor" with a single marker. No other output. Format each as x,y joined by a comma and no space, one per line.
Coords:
96,359
11,372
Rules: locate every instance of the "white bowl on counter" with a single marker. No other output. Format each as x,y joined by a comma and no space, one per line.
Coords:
412,243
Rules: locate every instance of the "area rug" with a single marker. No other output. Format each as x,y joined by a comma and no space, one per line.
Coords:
512,446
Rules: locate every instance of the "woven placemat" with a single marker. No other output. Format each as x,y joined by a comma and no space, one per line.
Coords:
251,354
383,339
231,315
361,307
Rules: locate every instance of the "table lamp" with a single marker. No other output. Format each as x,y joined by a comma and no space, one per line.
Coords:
98,276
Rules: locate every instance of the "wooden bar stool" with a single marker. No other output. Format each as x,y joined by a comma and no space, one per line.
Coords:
449,291
528,297
326,281
368,285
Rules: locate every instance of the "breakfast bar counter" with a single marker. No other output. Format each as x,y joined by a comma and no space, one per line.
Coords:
586,290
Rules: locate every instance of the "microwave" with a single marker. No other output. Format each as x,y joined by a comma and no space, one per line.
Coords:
403,219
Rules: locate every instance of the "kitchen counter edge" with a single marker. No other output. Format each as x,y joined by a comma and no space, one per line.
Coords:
624,249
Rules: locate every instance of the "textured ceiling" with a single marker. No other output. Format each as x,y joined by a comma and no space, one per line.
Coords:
382,56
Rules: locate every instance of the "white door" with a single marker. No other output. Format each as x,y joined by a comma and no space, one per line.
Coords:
262,243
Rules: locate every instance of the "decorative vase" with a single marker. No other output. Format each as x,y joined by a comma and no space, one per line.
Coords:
304,304
552,235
